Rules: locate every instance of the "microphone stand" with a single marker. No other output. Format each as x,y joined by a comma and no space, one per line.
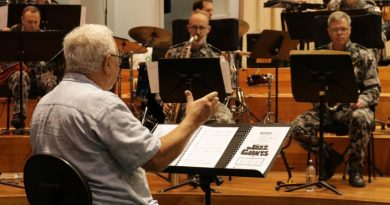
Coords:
105,13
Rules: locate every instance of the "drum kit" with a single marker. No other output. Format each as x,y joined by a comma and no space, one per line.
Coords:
148,36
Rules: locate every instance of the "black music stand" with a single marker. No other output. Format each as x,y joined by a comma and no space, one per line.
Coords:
178,75
223,34
272,47
360,24
322,76
27,46
301,25
53,16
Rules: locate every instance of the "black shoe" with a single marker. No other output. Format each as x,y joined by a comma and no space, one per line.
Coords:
17,122
356,179
331,161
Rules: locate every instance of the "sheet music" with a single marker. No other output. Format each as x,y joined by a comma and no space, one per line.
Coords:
227,81
259,148
207,146
152,68
3,16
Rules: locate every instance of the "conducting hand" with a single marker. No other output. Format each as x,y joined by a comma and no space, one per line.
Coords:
201,110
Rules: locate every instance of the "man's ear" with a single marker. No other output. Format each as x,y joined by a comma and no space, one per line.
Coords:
106,64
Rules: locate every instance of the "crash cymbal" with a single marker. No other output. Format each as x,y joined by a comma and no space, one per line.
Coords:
127,46
243,27
151,36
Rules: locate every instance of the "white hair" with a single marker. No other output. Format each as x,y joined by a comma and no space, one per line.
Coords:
85,48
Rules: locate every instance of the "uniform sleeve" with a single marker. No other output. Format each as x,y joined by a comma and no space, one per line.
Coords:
371,84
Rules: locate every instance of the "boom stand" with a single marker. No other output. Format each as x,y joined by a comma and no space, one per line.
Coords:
322,76
240,106
270,48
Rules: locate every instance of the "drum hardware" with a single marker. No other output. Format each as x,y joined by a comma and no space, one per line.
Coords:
268,116
240,108
126,50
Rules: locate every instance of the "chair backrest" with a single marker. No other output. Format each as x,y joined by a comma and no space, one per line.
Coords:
52,180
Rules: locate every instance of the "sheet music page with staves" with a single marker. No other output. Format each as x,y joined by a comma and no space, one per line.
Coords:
206,146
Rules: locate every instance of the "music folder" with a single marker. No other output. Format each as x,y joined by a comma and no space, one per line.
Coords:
228,150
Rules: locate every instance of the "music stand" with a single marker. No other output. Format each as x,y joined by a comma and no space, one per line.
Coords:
223,35
53,16
272,47
360,24
322,76
194,74
27,46
301,25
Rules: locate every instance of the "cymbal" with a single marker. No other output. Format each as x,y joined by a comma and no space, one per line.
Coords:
127,46
151,36
243,27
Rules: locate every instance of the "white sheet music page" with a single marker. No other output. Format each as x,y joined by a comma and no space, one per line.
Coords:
207,146
259,148
162,130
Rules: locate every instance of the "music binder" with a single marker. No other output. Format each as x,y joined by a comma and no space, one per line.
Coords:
228,150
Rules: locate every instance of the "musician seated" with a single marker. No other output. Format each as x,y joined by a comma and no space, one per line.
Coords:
38,78
357,117
368,5
197,47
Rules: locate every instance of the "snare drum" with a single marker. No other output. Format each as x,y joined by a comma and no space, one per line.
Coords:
259,79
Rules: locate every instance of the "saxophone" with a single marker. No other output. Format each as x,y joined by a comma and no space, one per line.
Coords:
176,111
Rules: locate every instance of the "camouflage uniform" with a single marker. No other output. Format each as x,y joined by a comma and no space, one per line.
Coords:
358,121
205,51
39,80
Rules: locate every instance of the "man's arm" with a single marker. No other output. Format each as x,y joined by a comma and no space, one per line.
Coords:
172,144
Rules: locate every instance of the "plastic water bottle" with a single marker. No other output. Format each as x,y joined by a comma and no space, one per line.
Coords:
310,176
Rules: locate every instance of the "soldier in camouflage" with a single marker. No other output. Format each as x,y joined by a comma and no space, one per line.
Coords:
368,5
37,78
357,117
198,24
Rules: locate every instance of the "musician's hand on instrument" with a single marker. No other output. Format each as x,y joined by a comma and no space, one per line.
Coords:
201,110
167,108
359,104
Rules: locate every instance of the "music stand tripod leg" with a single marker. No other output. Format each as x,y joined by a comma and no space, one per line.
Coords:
320,182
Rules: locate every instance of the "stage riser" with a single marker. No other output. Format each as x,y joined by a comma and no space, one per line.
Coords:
14,151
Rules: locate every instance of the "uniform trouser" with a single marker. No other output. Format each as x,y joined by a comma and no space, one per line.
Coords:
45,81
359,123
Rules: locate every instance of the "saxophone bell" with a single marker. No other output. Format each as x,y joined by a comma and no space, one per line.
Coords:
193,38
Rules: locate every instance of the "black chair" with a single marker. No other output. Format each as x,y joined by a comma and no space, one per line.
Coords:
51,180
